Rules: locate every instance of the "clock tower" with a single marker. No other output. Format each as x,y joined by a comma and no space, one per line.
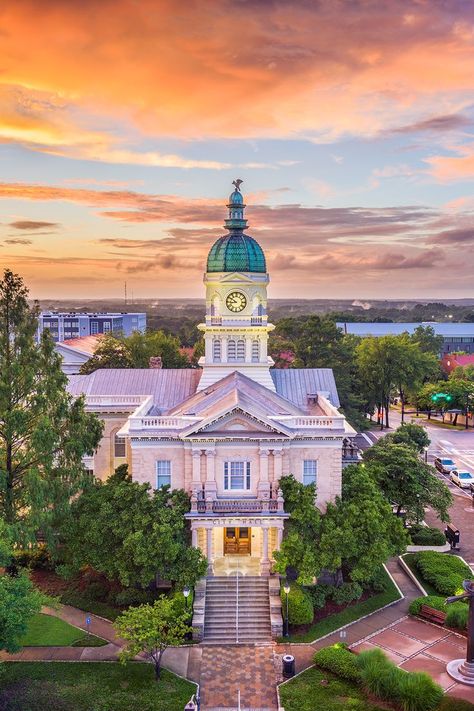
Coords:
236,328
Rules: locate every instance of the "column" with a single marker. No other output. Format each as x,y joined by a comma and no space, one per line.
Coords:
194,535
277,464
224,350
210,485
209,550
265,562
279,536
196,483
263,483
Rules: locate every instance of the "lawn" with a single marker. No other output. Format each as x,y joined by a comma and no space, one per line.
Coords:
307,693
350,614
409,559
48,631
90,686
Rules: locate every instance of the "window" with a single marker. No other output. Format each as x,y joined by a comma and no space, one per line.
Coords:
231,349
240,350
310,470
94,327
236,476
216,350
163,473
107,326
255,351
119,446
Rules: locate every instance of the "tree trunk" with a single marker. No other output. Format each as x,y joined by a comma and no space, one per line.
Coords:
387,407
455,421
157,660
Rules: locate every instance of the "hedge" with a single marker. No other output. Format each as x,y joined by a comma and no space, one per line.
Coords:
456,612
445,572
426,536
340,661
300,605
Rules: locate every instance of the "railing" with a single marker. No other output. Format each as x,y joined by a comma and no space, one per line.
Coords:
102,400
162,423
237,506
319,421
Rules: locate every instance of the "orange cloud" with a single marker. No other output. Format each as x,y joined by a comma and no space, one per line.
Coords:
451,168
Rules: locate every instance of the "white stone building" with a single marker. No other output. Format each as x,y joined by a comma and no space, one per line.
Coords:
225,433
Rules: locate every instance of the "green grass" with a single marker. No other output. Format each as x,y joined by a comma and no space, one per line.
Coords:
305,693
350,614
90,686
48,631
71,597
409,559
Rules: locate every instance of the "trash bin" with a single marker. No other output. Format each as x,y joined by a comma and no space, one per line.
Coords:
288,666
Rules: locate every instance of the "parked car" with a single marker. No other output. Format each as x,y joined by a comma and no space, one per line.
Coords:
464,479
444,465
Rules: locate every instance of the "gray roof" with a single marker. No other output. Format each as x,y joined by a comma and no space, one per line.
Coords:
167,386
385,329
295,384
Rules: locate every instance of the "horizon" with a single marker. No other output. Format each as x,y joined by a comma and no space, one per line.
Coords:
123,125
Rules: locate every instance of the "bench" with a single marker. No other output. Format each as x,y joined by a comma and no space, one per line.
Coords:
429,613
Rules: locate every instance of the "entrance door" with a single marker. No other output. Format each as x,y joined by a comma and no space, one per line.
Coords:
236,541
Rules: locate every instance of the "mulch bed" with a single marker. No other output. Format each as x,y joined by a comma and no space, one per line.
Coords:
330,608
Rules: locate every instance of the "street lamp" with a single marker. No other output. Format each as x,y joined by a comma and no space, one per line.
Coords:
286,590
186,592
426,454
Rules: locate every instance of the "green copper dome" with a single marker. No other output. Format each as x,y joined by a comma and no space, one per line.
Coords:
236,253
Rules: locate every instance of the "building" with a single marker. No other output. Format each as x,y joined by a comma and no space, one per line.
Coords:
64,325
225,433
451,361
75,352
457,336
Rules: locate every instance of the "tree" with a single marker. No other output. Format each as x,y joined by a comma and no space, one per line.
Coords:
359,531
454,394
427,340
406,481
462,372
110,353
19,600
44,432
411,434
131,534
150,629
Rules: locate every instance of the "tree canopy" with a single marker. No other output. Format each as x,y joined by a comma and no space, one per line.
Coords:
130,533
44,432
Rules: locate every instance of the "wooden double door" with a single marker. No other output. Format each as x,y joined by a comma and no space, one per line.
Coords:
237,540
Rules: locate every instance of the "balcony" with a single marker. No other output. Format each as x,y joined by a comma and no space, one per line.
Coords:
223,507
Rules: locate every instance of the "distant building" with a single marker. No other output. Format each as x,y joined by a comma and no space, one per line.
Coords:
450,362
64,325
76,351
457,336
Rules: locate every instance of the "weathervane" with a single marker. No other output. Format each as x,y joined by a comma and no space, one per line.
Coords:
237,183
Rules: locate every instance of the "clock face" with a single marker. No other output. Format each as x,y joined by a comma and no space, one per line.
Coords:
236,301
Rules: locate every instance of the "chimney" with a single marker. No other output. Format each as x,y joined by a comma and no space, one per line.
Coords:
155,362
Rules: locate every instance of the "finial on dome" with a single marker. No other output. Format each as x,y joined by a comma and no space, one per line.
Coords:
237,183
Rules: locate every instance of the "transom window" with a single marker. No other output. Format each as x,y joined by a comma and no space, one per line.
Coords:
119,446
163,473
236,476
310,471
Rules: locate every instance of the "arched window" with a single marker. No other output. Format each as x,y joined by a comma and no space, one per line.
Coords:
216,350
119,447
240,350
255,351
231,350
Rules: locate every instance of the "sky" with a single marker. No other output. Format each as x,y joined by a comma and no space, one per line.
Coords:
351,123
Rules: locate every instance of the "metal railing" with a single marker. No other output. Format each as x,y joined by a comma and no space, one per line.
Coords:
230,506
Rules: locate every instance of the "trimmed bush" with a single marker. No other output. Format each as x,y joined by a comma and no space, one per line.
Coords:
133,596
319,594
346,593
426,536
438,603
456,615
443,571
300,606
338,660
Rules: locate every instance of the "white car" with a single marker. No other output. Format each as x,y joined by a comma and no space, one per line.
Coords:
464,479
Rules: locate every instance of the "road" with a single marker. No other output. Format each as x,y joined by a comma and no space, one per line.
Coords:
459,446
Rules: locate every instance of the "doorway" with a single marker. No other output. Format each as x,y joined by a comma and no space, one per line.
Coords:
237,541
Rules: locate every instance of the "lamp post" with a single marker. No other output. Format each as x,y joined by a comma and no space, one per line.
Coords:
463,669
186,592
286,589
426,454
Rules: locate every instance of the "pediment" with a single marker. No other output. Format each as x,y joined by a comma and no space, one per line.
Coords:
240,423
236,277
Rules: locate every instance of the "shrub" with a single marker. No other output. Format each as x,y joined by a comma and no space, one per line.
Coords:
451,703
133,596
379,581
346,593
338,660
96,590
456,615
445,572
426,536
180,601
438,603
300,606
36,558
319,594
418,692
379,675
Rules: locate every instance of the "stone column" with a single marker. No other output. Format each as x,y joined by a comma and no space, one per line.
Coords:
265,562
211,486
279,537
263,483
194,535
209,550
277,464
196,483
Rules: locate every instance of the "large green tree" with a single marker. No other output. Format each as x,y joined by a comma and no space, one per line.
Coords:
130,533
44,432
406,481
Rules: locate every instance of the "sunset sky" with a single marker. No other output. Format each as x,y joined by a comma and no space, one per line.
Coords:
123,123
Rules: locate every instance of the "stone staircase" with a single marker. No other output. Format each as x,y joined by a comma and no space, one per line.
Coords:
225,622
